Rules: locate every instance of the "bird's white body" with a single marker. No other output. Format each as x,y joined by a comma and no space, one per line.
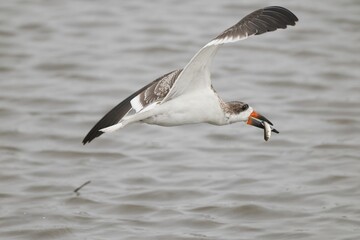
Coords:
194,107
203,106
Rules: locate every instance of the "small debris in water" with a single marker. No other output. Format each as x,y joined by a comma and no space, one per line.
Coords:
83,185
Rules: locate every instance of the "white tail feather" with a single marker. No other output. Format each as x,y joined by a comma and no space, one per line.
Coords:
144,113
112,128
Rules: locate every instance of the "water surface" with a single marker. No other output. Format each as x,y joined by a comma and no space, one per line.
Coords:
63,64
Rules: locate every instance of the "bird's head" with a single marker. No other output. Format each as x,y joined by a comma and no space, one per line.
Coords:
242,112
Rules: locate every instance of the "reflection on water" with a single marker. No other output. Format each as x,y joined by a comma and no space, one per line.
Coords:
63,64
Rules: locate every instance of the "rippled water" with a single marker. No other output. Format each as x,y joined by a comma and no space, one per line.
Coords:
63,64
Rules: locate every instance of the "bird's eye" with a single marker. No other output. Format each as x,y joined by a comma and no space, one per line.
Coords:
245,107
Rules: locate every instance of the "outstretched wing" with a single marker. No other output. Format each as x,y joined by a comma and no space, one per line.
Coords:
196,73
153,92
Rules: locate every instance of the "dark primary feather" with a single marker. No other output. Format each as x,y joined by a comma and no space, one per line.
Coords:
261,21
119,111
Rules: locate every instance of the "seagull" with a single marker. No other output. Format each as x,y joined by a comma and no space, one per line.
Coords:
186,96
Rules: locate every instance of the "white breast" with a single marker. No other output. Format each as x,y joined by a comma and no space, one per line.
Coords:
194,107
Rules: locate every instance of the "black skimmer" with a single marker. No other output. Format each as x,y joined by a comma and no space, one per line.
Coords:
186,95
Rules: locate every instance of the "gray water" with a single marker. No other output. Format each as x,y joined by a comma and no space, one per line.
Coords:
63,64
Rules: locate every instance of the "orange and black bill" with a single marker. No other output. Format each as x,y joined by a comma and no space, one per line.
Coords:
256,120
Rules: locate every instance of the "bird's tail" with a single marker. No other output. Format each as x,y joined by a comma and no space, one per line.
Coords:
113,127
128,119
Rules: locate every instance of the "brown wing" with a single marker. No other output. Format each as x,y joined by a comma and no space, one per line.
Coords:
154,91
258,22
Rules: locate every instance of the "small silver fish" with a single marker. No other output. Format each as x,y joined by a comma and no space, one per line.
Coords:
267,130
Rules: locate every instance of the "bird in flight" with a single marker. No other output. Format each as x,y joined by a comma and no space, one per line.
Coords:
186,96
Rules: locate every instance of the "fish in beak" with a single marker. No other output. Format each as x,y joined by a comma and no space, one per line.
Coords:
257,120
